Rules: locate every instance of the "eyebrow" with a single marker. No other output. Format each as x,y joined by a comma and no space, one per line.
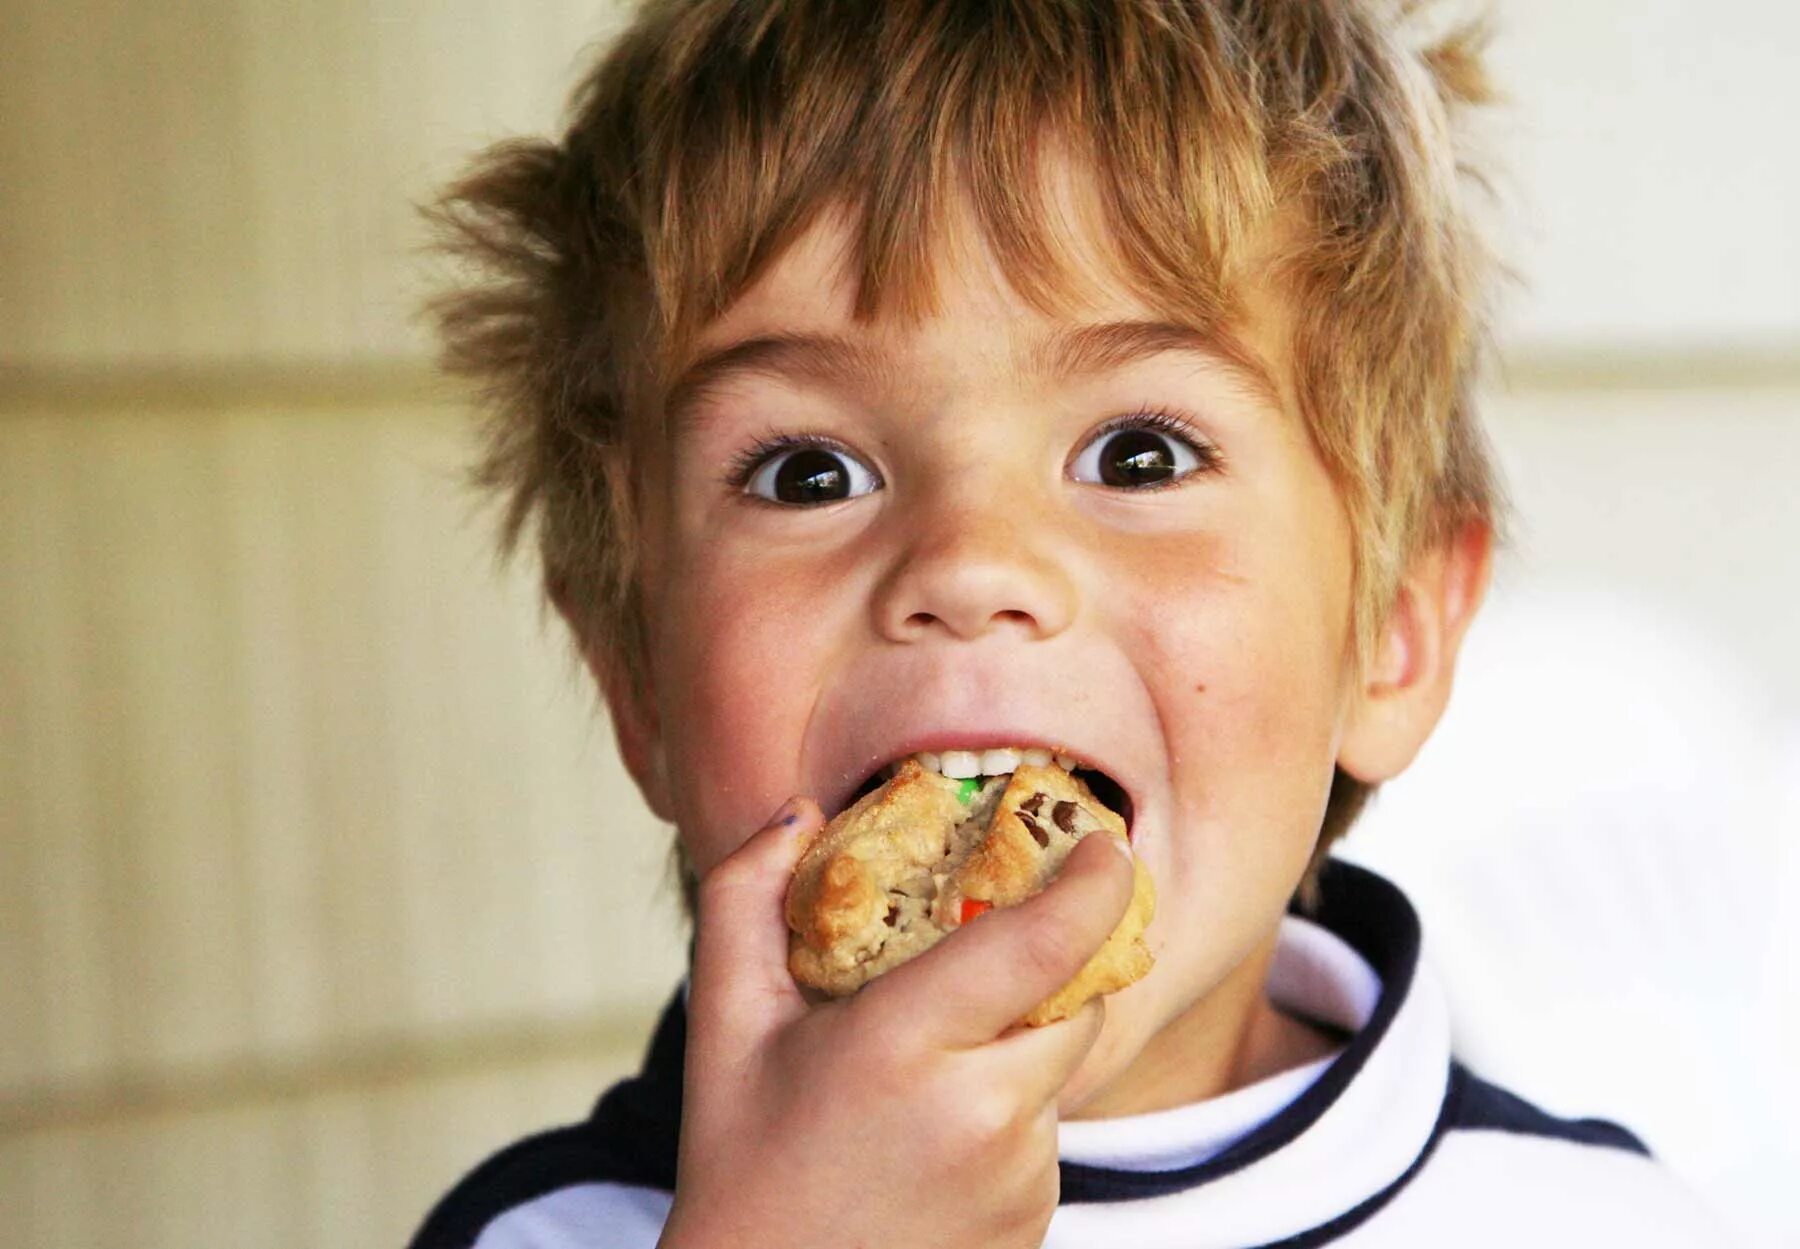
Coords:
834,360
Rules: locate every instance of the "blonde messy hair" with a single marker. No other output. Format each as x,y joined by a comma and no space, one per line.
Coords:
712,133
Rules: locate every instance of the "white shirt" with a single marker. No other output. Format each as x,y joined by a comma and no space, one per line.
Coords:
1390,1142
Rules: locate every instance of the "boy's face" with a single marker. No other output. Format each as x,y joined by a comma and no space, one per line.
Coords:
988,566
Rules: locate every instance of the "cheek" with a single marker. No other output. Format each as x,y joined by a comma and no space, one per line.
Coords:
1242,651
1244,639
738,668
1231,633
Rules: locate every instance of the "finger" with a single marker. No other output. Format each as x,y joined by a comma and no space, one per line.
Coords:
969,987
741,985
1039,1061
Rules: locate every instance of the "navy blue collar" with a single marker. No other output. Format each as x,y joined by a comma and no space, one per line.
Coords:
1373,918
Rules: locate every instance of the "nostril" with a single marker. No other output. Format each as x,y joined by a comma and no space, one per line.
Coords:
964,585
922,621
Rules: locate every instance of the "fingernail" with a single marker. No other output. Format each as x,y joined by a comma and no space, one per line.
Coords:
787,813
1123,845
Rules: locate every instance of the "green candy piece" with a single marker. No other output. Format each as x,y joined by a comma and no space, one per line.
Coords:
966,790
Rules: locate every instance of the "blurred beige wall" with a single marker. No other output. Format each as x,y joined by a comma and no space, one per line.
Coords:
318,872
318,879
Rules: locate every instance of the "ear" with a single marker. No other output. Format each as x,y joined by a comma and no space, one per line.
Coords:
1404,692
635,723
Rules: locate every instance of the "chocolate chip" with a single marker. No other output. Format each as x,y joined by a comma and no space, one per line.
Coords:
1038,834
1064,815
1033,804
893,911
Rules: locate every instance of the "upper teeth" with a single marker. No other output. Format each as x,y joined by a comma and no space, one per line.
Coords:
963,764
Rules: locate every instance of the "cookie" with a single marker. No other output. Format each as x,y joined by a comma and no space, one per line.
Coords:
909,863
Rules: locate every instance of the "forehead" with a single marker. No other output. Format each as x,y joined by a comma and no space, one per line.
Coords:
798,322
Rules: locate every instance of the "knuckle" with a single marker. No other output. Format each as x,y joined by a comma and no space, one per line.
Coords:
984,1127
1048,949
878,1025
886,1056
990,1114
729,877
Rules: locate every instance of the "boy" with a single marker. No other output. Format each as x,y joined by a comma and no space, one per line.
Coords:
928,376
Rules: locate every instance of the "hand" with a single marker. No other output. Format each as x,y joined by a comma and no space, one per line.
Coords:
909,1114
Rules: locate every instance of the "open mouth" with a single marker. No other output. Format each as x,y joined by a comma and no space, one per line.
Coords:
967,764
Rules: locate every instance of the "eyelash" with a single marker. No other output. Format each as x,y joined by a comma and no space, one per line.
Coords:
745,463
1162,419
1168,421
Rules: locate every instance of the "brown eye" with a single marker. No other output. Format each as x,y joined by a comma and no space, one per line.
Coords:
807,475
1135,457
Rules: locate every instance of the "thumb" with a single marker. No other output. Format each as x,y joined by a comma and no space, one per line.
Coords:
741,985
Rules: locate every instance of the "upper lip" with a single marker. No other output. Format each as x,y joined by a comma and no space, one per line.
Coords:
1089,703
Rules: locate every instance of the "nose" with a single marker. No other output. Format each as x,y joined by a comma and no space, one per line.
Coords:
974,566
